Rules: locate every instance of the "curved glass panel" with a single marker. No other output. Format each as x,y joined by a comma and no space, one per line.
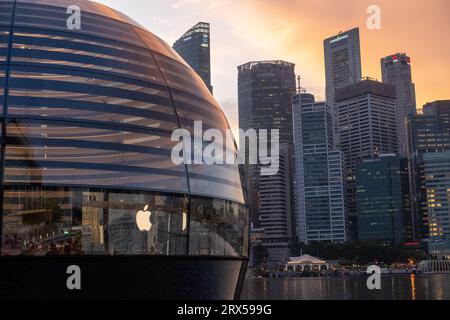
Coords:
6,8
55,17
58,153
155,44
36,91
85,5
184,78
218,228
2,86
4,42
217,179
48,48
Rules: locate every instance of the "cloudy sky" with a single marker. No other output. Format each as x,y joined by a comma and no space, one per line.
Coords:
293,30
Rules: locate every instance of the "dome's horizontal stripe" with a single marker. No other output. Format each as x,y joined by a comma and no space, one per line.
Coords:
32,141
84,49
81,105
38,164
86,124
87,72
84,88
46,34
87,60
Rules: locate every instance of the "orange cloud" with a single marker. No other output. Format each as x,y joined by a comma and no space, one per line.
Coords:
294,30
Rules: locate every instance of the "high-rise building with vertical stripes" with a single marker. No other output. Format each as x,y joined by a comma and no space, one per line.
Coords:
276,210
396,71
342,65
383,198
367,128
437,187
428,132
195,48
320,189
265,90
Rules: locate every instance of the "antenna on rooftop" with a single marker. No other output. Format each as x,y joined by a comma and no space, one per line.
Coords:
299,88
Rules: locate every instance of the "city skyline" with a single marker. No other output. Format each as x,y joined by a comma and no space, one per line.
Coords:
275,30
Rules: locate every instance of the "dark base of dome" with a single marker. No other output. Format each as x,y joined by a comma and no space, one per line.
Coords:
122,278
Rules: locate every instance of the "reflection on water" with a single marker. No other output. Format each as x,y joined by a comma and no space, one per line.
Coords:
413,287
394,287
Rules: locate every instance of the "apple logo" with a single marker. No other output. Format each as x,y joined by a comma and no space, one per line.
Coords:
143,219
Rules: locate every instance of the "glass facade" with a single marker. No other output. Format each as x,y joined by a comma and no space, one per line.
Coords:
265,90
87,117
320,184
428,133
384,212
195,46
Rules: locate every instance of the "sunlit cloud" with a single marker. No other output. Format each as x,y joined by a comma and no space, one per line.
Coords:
182,3
160,20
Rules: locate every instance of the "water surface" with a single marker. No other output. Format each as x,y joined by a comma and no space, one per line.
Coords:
393,287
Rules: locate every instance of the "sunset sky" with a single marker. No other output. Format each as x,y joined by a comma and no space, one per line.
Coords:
293,30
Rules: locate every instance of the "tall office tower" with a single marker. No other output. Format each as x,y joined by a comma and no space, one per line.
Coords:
396,71
342,65
427,132
320,189
437,186
195,48
367,128
275,208
384,211
265,90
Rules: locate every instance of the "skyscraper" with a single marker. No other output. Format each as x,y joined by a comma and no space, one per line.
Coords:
275,209
342,64
265,90
195,48
437,187
383,199
367,128
396,71
320,189
428,132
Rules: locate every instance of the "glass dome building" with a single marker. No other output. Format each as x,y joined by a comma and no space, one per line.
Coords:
87,178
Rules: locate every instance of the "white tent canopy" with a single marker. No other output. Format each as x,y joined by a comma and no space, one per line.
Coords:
306,260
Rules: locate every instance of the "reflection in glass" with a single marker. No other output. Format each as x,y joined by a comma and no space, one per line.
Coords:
165,236
45,222
218,228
